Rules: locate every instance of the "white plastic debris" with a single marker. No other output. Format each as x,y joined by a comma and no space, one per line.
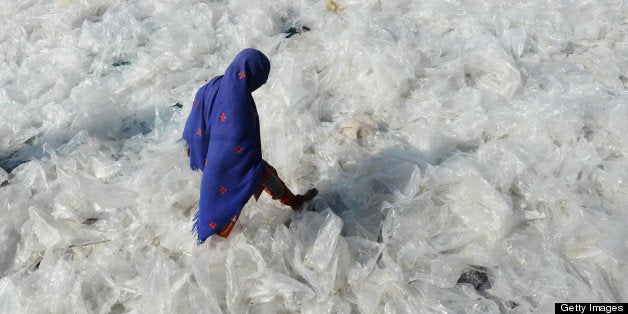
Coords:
440,134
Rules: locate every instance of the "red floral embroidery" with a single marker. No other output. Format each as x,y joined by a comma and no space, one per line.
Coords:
238,149
199,132
242,75
212,225
196,102
222,190
223,117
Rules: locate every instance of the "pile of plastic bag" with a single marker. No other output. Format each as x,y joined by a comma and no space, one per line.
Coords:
469,156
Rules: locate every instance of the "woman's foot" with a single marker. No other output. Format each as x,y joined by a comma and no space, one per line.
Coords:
299,200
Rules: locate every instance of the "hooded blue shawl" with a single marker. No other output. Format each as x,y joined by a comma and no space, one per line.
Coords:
222,132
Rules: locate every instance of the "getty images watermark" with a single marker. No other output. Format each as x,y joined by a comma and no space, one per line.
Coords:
590,308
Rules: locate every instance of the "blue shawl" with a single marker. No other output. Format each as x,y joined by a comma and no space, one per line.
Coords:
222,132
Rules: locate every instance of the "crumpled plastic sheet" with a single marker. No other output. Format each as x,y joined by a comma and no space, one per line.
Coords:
439,134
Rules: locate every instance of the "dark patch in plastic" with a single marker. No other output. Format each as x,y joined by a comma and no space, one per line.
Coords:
293,28
476,276
511,304
177,105
21,156
90,221
326,118
293,31
118,308
137,124
121,63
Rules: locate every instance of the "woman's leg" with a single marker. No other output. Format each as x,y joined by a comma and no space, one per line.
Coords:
277,189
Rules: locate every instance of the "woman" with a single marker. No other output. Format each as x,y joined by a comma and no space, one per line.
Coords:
223,138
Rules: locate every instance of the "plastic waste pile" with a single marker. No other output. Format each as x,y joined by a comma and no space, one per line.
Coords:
470,156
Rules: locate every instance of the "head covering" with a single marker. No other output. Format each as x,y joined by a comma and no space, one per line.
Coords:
223,134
